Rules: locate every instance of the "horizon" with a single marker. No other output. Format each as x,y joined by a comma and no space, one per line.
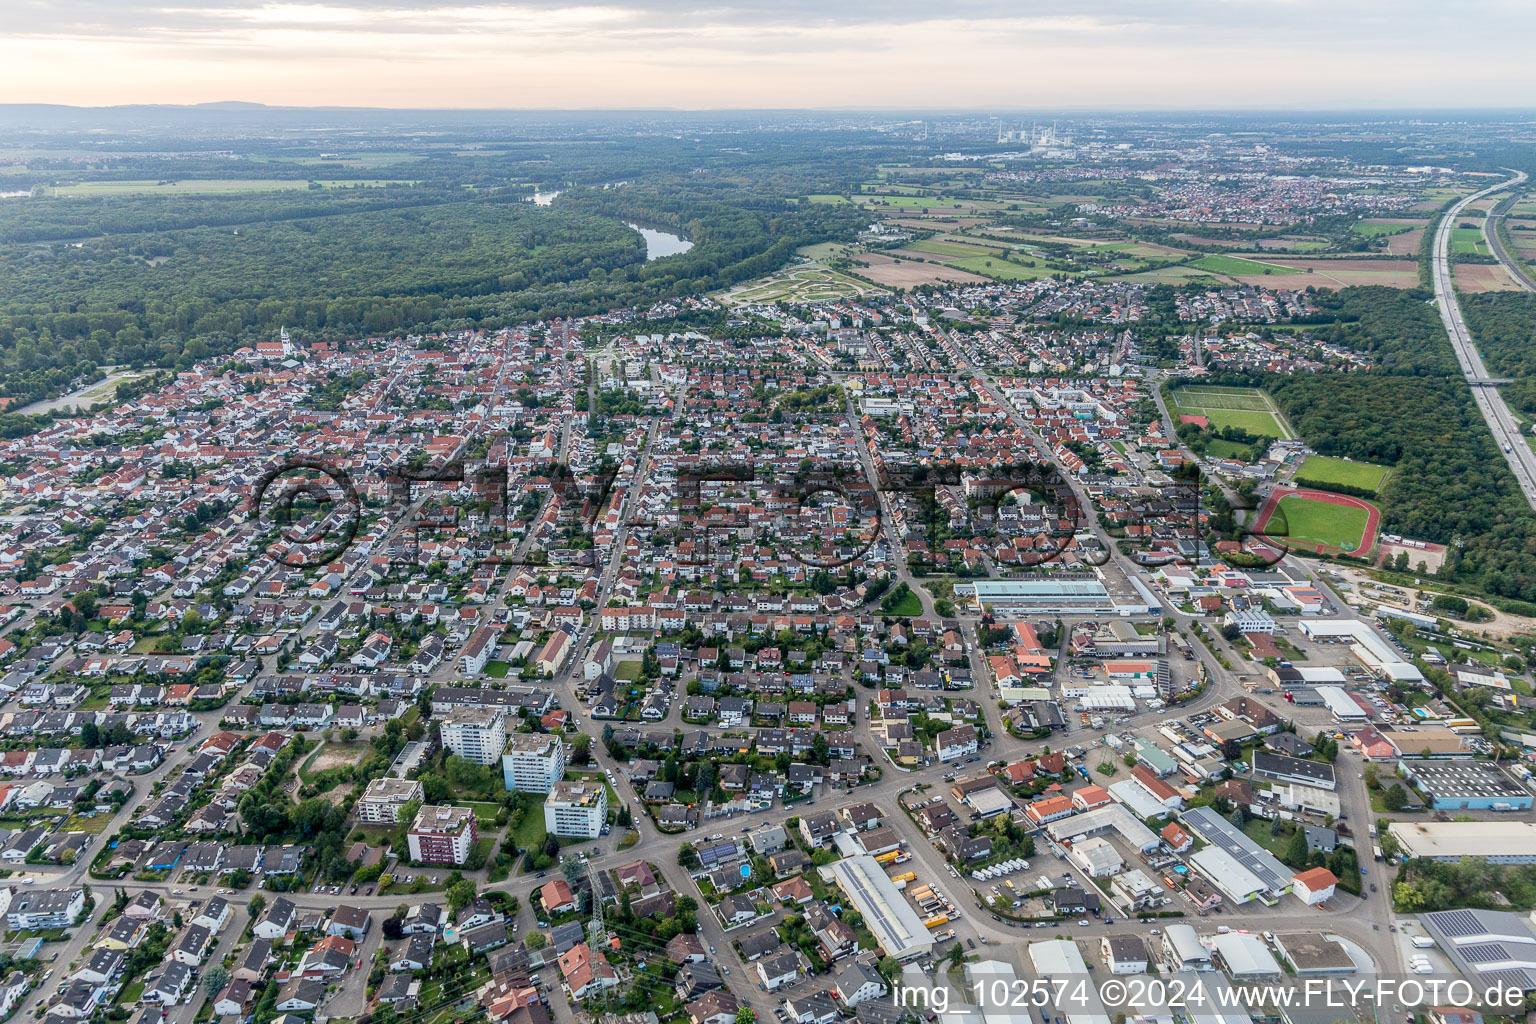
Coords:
666,54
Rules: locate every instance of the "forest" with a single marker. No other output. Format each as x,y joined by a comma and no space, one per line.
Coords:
1504,324
162,280
1416,413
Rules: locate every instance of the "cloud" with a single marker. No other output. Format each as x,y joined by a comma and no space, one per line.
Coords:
771,53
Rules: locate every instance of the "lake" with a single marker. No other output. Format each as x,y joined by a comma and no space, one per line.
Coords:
661,243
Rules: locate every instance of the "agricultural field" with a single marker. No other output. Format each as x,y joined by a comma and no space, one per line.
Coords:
944,247
897,273
1340,273
1376,228
1291,244
1469,241
1245,408
1405,244
1239,267
1000,269
1324,470
1483,277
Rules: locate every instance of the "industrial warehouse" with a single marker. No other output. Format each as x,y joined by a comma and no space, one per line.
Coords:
894,924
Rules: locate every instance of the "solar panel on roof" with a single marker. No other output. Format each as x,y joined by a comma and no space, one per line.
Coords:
1485,953
1522,979
1458,923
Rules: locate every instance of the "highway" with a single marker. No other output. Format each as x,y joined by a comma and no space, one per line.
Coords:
1506,431
1517,270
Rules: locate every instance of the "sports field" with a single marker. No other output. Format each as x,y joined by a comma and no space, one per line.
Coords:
1319,521
1245,408
1324,470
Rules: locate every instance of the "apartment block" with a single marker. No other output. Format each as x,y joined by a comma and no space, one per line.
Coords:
576,808
533,762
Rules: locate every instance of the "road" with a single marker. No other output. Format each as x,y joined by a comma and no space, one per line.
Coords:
1516,268
1506,431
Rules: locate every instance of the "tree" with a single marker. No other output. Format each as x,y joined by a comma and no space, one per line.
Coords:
256,905
1395,798
460,894
573,870
746,1015
1238,818
687,856
215,978
535,940
1296,849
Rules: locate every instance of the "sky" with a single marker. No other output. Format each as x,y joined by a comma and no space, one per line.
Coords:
712,54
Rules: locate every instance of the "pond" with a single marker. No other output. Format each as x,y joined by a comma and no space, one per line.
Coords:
661,243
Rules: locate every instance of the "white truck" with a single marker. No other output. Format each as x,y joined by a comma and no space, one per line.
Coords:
1423,942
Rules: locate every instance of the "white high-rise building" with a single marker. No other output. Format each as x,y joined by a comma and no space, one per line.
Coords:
475,733
577,809
533,762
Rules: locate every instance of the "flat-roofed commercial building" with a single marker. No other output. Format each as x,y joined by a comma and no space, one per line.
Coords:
1257,864
1111,816
576,808
1246,957
1466,785
533,762
1310,954
1280,768
1082,595
1502,842
891,920
1487,946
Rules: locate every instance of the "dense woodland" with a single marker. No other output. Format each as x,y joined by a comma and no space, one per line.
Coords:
161,279
1504,324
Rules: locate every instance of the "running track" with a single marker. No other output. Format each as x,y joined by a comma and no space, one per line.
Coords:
1372,521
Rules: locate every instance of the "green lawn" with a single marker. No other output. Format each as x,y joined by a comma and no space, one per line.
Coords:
909,605
1317,522
1239,266
627,671
485,810
1327,470
529,832
497,669
1220,449
1245,408
832,200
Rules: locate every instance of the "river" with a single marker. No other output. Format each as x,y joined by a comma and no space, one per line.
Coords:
661,243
